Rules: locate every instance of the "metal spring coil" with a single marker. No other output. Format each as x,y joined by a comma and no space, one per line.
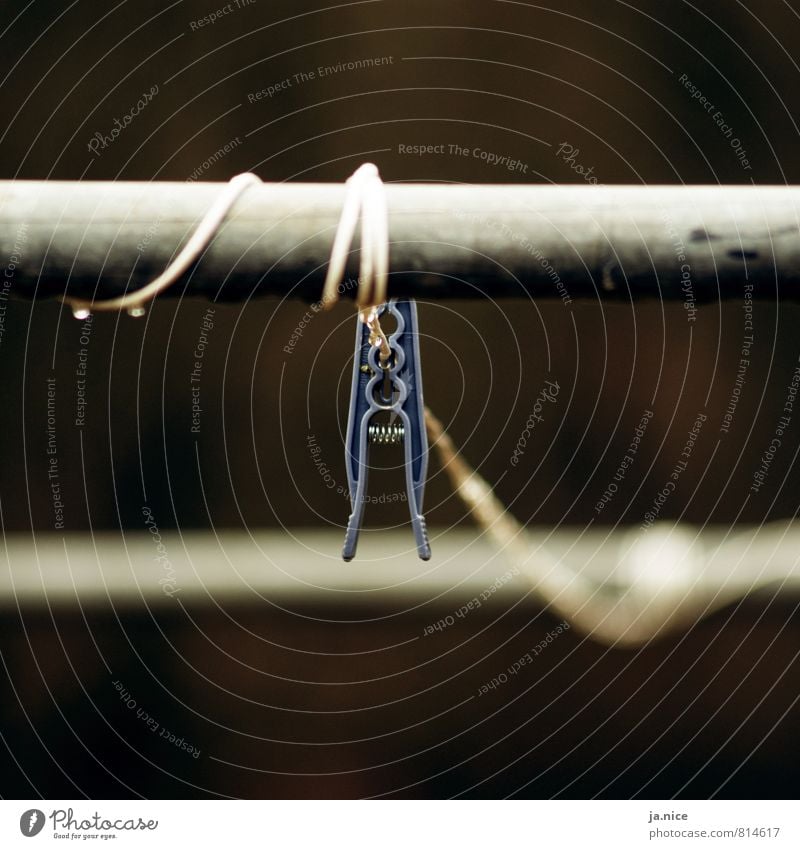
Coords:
386,434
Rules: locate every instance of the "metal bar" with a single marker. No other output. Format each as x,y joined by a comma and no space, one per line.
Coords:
691,243
624,589
703,562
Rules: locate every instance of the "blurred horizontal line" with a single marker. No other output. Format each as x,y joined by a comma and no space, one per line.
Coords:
305,564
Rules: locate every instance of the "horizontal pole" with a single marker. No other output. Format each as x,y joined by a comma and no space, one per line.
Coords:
690,243
629,587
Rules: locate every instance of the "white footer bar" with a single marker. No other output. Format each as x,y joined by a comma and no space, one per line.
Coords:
401,824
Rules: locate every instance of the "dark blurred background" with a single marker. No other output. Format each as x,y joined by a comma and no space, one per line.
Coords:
604,81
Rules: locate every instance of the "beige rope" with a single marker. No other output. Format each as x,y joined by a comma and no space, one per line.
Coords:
626,616
365,194
134,302
560,589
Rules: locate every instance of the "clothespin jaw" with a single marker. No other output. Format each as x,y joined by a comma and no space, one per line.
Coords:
394,390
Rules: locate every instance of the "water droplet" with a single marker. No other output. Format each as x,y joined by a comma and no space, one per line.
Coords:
81,313
137,312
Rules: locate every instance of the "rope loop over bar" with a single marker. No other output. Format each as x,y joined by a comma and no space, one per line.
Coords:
366,195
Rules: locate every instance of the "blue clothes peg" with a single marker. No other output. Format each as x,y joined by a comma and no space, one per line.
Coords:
394,391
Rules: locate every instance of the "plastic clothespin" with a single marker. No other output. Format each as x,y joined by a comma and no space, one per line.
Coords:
394,392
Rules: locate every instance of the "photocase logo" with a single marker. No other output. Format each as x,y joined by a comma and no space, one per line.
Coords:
31,822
